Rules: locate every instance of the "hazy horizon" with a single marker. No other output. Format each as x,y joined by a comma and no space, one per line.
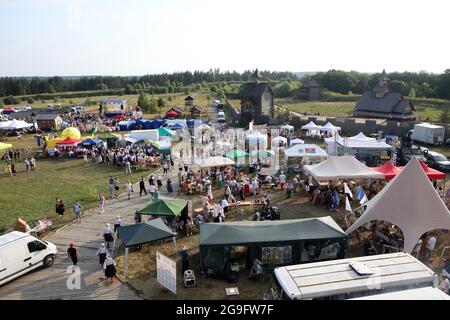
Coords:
75,38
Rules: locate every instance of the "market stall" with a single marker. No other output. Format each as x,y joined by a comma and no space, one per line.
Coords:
274,243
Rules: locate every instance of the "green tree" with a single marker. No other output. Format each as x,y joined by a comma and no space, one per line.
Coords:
187,90
412,93
169,98
102,86
143,101
444,115
153,107
161,103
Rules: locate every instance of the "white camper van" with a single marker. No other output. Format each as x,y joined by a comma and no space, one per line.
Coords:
351,278
20,253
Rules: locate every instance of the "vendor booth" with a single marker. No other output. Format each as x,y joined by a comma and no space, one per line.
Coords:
411,203
142,233
311,128
90,143
345,167
296,141
330,129
165,207
162,146
273,243
212,162
110,138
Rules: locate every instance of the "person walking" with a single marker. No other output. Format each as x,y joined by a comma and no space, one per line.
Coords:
159,181
13,169
117,223
33,164
77,210
101,202
128,167
27,165
169,186
165,168
109,265
142,187
107,235
129,189
430,244
185,260
102,252
60,209
72,253
116,187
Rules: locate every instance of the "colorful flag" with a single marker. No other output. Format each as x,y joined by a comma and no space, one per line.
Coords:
364,200
347,205
348,191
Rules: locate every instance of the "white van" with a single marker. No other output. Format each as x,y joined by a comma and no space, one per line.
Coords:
20,253
351,278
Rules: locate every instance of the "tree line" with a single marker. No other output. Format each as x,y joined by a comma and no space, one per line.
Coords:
413,84
14,86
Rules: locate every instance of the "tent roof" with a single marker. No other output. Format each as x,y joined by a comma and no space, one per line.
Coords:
15,124
106,135
432,174
247,232
162,145
91,141
141,233
279,139
236,153
68,141
389,170
344,167
214,162
166,132
410,202
330,127
297,141
256,136
163,207
311,126
287,126
305,150
362,137
5,146
176,126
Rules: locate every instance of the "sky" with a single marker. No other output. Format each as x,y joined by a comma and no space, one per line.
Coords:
136,37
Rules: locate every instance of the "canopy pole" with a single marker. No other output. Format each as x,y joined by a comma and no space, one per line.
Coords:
126,263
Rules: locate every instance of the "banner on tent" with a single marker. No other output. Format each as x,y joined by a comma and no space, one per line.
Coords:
166,272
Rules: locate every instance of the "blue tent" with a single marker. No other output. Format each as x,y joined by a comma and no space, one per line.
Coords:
190,123
91,142
176,126
125,125
148,124
158,123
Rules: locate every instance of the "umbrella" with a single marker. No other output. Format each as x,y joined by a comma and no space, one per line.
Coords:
236,154
171,113
203,127
119,116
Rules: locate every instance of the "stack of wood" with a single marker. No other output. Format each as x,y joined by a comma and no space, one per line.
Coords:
22,226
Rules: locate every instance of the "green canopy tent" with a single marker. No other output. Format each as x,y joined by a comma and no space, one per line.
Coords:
272,242
141,233
166,132
110,138
165,207
162,146
236,154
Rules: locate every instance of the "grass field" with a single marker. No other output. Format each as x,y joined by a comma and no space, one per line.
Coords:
31,195
424,111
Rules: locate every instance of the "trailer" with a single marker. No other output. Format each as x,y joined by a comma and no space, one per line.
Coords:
351,278
428,133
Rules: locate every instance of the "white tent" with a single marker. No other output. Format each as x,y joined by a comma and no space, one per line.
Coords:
279,140
257,138
345,167
305,151
16,124
330,128
214,162
287,127
361,137
297,141
311,126
410,202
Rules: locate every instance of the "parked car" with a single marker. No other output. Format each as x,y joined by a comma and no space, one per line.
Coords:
437,161
405,153
20,253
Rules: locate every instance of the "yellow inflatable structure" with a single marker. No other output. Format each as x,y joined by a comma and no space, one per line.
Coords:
71,132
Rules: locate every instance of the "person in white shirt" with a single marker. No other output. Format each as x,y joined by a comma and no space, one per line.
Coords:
431,243
117,223
152,190
129,189
225,205
102,252
107,234
216,212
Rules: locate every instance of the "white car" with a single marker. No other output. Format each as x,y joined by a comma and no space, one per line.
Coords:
20,253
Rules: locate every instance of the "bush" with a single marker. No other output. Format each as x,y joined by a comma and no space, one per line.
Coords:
169,98
30,100
11,100
208,97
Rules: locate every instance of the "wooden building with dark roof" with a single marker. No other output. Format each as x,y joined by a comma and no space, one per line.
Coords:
256,101
380,103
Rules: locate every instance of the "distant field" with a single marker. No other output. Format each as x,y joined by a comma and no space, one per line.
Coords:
425,111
